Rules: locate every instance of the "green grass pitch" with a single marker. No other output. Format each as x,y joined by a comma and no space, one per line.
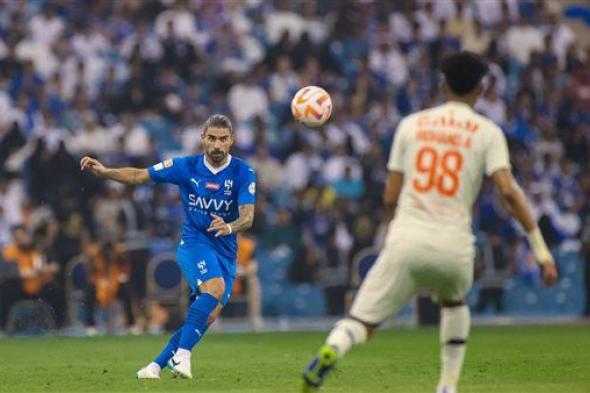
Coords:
499,360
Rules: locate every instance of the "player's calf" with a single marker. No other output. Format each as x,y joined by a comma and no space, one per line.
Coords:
454,329
197,318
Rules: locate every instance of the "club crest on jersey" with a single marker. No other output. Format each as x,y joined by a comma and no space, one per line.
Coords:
227,187
212,186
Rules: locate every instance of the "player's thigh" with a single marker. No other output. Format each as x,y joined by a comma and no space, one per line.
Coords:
198,264
387,287
446,271
457,282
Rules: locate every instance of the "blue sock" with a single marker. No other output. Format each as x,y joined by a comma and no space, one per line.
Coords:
169,349
196,321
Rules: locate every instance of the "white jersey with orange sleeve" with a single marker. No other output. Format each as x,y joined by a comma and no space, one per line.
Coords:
443,153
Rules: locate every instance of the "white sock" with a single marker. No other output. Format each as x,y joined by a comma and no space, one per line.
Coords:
454,329
155,365
346,333
182,353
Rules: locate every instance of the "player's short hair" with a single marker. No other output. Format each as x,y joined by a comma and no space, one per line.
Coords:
219,121
463,71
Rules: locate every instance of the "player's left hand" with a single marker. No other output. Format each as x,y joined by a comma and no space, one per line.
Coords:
220,227
549,273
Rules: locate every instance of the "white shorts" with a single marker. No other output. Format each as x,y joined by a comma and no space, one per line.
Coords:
404,267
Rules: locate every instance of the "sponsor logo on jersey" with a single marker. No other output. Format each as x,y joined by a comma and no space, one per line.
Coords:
158,167
212,186
252,188
205,204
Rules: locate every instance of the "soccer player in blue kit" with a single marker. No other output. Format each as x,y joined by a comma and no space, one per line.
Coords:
218,195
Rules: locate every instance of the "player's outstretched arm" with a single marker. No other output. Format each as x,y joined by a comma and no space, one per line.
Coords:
244,222
126,175
516,202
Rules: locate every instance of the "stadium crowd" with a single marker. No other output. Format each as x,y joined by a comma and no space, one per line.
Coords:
131,82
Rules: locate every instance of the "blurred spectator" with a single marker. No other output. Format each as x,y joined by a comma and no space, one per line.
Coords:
46,27
490,13
491,105
11,197
337,164
388,63
269,170
347,186
247,100
136,139
401,25
109,281
283,82
562,36
180,16
92,138
476,39
178,52
580,87
4,229
460,23
301,167
36,279
283,19
428,22
248,271
522,40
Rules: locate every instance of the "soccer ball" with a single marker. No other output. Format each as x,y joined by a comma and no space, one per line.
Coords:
312,106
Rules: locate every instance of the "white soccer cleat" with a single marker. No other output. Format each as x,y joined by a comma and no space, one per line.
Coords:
151,371
181,366
446,389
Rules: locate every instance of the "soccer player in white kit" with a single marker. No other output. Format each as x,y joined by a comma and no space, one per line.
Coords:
436,166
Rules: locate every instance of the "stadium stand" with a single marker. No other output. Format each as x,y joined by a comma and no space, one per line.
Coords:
131,82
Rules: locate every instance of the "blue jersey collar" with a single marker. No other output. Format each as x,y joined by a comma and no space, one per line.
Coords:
213,170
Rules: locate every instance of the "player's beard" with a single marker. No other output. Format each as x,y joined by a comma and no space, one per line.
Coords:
217,156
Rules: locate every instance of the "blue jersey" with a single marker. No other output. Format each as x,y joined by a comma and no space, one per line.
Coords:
206,190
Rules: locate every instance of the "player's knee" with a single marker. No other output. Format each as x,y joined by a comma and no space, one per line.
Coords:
214,287
452,303
370,328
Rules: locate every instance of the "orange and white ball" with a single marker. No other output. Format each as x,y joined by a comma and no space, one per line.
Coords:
312,106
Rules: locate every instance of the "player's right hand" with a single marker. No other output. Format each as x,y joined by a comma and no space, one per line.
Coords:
92,164
549,272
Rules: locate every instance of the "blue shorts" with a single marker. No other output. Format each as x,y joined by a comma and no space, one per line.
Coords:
199,263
